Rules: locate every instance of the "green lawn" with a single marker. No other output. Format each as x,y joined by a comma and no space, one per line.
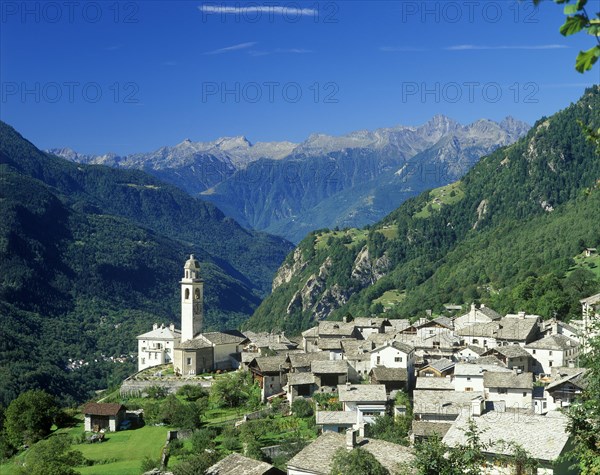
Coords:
389,231
124,451
355,234
446,195
391,298
588,263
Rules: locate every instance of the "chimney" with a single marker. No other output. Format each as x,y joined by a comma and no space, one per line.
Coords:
172,327
350,439
155,326
476,406
521,314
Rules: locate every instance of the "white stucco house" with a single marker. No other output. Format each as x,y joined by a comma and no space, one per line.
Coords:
553,351
367,400
156,347
514,389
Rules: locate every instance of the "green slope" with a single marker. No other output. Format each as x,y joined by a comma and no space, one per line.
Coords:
91,256
521,213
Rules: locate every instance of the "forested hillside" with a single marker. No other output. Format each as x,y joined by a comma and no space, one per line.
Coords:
91,256
506,234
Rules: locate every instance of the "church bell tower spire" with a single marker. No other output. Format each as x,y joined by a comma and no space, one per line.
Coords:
192,294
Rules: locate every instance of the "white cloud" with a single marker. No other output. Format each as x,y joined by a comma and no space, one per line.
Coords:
237,47
268,9
500,47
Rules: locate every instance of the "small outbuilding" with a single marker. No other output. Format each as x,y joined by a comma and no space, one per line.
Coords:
103,416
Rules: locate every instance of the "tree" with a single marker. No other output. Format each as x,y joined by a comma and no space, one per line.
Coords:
584,416
197,464
356,462
29,417
52,457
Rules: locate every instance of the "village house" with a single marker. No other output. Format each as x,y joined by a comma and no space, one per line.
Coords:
310,340
337,421
393,379
553,351
482,314
264,342
369,325
236,464
270,372
512,356
368,400
301,385
316,458
520,329
157,347
590,318
468,377
394,355
435,384
438,369
514,389
565,386
103,416
545,438
356,353
193,357
329,373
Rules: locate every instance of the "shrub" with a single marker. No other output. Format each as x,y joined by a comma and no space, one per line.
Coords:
302,408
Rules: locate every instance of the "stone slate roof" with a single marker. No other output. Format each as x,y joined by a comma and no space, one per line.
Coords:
517,329
490,360
304,360
543,437
311,332
295,379
509,351
269,340
337,417
434,383
330,344
398,324
476,369
576,379
427,401
329,367
476,349
362,393
429,429
221,338
442,364
195,344
381,373
508,380
367,322
316,457
161,333
594,299
553,342
340,329
400,346
442,321
236,464
102,409
269,364
355,350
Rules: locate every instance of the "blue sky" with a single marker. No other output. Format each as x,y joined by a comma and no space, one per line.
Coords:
133,76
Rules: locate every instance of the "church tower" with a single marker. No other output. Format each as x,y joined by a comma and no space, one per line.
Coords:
192,294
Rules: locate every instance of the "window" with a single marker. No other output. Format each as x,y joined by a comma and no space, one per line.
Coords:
534,352
188,361
484,342
550,353
378,359
398,359
187,294
468,390
143,360
549,363
475,341
468,378
524,393
197,293
502,391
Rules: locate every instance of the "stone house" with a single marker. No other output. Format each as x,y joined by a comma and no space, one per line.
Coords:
553,351
193,357
271,374
103,416
468,377
514,389
392,378
512,356
438,369
367,400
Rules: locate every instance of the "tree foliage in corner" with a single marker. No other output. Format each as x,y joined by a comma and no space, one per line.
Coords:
356,462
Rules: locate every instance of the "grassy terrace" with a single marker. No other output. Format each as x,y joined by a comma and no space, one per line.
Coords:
356,235
591,264
446,195
391,298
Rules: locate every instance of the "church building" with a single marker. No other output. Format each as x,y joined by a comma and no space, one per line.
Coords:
191,351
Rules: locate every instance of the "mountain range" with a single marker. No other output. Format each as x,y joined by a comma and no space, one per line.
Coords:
290,189
507,234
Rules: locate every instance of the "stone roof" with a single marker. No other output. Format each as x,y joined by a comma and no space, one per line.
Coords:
475,349
543,437
442,321
362,393
442,364
236,464
337,417
511,380
304,360
434,383
336,329
576,379
275,341
427,401
330,344
295,379
102,409
509,351
356,350
269,364
369,322
163,332
553,342
517,329
476,369
429,429
381,373
329,367
398,345
195,344
490,360
398,324
221,338
594,299
317,457
311,332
